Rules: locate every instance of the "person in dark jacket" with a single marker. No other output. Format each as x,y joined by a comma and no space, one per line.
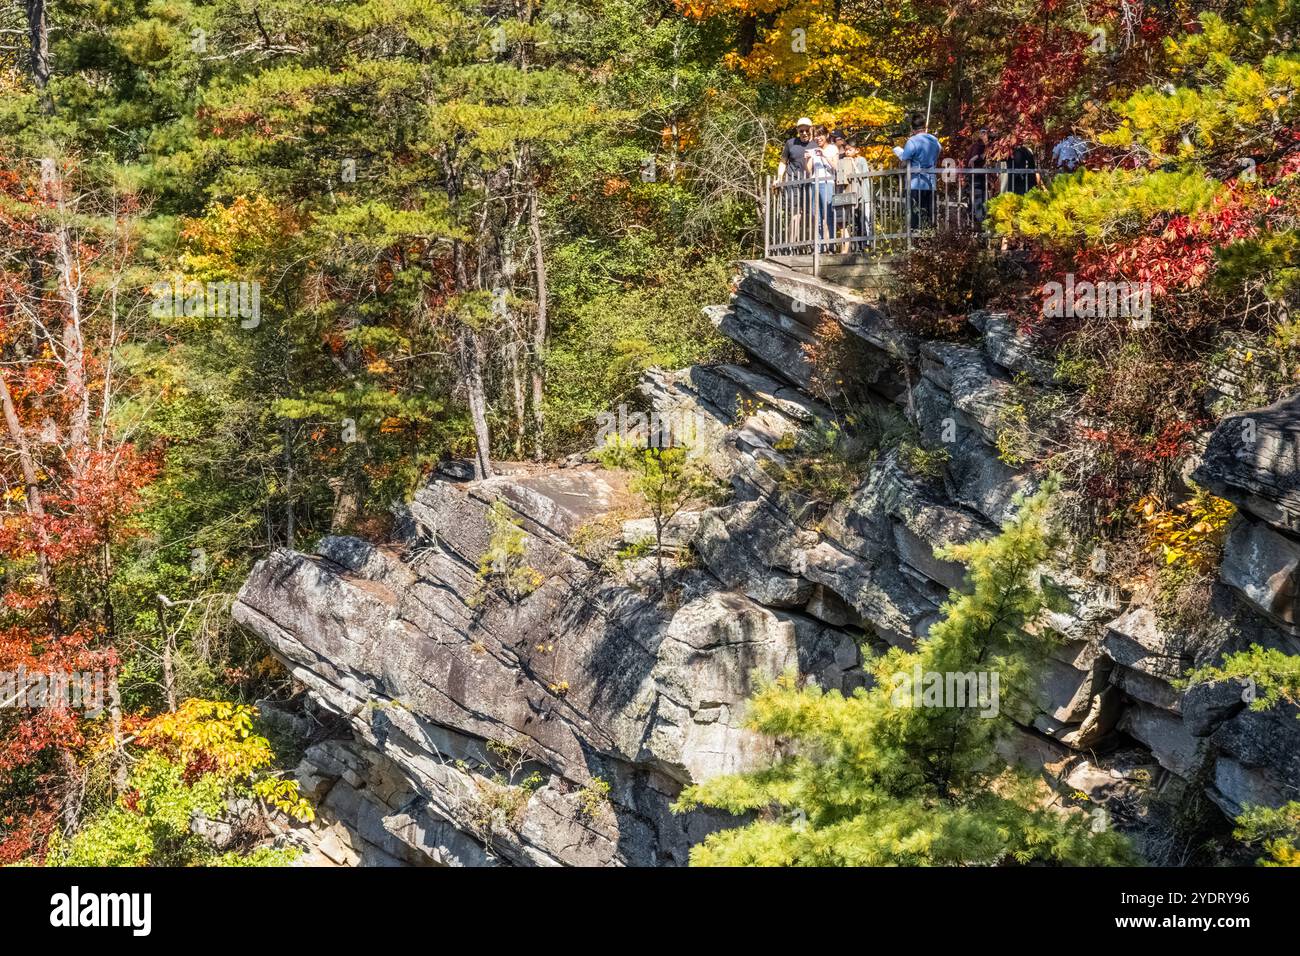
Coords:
978,186
794,201
1022,157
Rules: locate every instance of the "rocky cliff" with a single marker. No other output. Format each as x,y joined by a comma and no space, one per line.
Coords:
558,727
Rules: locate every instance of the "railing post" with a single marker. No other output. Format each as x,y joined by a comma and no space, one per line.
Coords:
907,204
767,216
817,225
873,224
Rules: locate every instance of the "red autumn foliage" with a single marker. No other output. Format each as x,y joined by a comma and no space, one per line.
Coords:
200,764
1169,444
1043,67
1181,256
28,732
23,837
69,491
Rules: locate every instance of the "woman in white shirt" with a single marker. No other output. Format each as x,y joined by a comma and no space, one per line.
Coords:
820,162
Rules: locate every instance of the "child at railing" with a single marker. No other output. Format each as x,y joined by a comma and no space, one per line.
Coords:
853,215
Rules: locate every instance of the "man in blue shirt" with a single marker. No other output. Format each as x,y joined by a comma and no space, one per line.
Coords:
922,152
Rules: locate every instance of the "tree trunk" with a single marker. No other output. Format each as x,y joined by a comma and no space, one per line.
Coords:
515,368
469,345
168,651
105,579
286,452
748,35
955,104
74,792
74,350
473,367
515,350
35,506
119,745
540,327
38,36
345,505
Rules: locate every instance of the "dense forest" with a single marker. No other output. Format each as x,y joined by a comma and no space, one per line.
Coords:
264,264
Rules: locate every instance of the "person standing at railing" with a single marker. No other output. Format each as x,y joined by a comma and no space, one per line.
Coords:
977,159
1022,157
1069,152
796,200
854,213
820,163
794,152
922,151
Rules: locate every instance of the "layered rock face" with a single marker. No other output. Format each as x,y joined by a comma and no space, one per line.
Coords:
558,726
584,682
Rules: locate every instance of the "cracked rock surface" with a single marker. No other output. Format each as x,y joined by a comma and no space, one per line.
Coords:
558,728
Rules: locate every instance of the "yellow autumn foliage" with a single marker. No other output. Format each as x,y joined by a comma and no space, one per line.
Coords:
1190,534
223,731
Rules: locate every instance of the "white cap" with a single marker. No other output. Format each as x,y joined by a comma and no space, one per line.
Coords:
803,121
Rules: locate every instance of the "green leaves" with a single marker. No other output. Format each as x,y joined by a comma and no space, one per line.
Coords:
376,226
195,762
501,567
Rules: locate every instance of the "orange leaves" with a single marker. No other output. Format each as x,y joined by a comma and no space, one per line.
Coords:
25,836
70,488
84,511
678,138
1166,446
37,718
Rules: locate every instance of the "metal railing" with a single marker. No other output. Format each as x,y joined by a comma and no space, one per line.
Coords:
881,211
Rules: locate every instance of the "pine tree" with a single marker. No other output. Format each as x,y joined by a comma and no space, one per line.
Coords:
667,479
872,779
1275,829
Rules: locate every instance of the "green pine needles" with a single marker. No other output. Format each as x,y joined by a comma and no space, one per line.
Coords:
905,773
1270,676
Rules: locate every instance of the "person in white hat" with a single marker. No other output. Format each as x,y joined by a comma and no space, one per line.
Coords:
793,153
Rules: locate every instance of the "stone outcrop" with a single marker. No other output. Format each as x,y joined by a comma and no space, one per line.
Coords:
557,727
584,680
